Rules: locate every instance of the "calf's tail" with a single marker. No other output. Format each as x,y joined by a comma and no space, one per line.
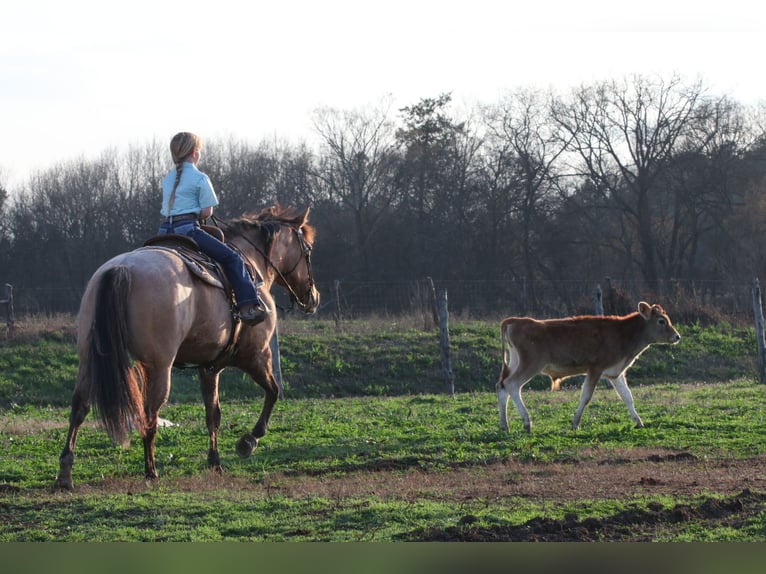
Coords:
506,348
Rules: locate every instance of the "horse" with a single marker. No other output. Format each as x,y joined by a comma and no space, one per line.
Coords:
145,311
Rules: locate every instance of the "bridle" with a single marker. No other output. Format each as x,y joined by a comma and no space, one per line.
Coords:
305,254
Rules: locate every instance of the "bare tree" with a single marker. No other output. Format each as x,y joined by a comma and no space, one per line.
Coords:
249,178
4,227
438,179
69,220
737,246
3,196
358,168
705,182
291,180
626,133
524,145
139,186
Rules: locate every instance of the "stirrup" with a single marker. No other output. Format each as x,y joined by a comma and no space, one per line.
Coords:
253,314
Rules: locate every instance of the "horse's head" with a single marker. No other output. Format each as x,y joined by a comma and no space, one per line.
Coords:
288,240
296,274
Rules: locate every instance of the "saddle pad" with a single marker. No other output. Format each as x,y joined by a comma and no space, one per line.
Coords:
199,267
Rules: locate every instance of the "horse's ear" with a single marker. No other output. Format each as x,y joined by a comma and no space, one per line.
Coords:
304,216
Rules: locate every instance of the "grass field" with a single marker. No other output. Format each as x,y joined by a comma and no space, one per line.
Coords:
367,446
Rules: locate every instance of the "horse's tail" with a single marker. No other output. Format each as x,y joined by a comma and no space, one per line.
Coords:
115,389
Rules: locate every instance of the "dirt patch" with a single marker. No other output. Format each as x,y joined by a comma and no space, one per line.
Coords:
635,525
613,475
726,491
597,475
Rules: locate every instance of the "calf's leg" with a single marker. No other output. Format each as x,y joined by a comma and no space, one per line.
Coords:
510,387
620,385
585,395
514,389
513,376
502,404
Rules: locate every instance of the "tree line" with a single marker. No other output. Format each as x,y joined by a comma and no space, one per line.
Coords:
644,178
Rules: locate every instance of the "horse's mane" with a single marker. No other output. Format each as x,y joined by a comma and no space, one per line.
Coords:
269,219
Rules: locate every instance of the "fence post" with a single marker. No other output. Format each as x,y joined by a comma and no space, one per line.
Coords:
524,295
8,301
610,306
432,306
598,301
336,285
759,330
444,342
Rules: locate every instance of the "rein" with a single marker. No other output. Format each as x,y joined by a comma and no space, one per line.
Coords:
306,250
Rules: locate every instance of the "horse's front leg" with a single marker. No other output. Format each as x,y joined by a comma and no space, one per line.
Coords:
247,443
209,388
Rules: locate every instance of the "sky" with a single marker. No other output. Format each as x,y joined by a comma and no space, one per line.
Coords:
83,76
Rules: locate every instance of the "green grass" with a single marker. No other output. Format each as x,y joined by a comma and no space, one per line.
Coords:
358,404
337,437
379,359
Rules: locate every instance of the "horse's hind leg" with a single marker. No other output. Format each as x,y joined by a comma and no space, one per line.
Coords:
156,392
80,409
247,443
209,388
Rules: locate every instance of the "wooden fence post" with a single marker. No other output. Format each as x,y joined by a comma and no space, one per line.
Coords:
431,311
759,330
444,342
610,306
338,317
598,301
8,301
524,295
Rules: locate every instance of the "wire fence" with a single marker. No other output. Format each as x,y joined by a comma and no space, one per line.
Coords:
703,301
685,301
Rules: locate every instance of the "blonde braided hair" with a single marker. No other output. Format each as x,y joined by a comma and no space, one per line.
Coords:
182,146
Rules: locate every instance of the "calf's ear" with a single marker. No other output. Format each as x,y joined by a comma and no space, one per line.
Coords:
645,310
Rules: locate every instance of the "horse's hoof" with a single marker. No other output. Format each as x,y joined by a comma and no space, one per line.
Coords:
246,445
63,485
213,460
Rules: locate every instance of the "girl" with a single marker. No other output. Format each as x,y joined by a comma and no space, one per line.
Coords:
187,197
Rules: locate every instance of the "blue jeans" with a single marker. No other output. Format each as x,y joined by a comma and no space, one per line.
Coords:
230,260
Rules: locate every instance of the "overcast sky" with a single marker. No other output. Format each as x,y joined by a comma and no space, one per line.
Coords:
80,76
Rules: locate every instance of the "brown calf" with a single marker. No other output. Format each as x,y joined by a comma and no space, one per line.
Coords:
593,346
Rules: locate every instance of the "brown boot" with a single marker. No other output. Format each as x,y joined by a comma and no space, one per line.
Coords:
253,314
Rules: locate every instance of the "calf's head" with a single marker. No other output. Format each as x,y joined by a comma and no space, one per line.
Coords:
659,329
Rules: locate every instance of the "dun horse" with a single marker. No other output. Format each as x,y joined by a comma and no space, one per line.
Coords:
145,311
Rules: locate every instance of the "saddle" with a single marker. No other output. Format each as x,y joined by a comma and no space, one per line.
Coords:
202,266
209,271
